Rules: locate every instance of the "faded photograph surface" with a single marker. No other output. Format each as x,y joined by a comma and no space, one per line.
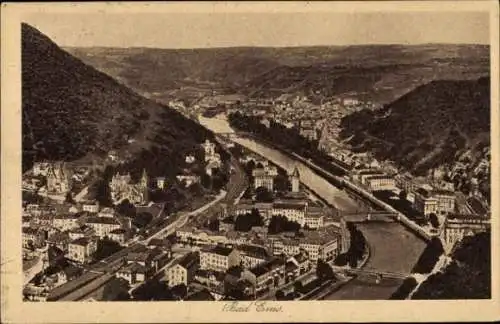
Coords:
255,157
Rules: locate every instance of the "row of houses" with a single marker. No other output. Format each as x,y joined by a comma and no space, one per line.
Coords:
220,267
294,210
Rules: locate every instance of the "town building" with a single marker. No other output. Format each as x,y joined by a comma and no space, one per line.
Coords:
160,182
445,201
294,211
219,258
32,238
263,179
83,231
183,271
380,182
122,188
252,256
266,275
66,222
91,207
133,273
209,149
424,203
118,235
188,180
107,212
314,221
58,178
458,226
60,240
40,168
102,225
82,249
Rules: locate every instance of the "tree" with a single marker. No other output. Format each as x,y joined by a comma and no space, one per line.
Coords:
213,224
127,209
429,257
403,195
262,194
206,181
244,223
179,291
298,286
434,220
142,219
324,271
280,224
69,198
102,193
280,295
105,248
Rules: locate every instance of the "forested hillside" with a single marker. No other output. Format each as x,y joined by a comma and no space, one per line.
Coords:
71,111
427,127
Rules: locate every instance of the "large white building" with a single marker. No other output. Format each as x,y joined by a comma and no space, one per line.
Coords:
183,271
456,227
82,249
102,225
293,211
219,258
263,179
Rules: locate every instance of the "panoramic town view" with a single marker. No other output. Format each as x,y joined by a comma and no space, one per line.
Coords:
233,171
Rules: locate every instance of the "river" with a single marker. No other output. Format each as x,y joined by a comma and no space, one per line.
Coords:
393,248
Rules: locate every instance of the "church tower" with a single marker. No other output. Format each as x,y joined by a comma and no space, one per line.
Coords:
295,179
143,185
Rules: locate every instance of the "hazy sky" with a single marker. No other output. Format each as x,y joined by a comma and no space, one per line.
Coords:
195,30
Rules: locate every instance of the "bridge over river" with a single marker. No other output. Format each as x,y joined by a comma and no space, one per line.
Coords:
393,248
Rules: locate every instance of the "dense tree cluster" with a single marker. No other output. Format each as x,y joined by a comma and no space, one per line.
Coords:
429,257
467,277
141,220
324,271
105,248
244,223
356,250
405,289
262,194
280,224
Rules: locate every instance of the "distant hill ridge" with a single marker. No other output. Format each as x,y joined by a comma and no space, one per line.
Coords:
428,127
72,111
381,73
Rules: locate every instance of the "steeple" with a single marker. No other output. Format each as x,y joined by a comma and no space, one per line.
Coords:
296,173
144,179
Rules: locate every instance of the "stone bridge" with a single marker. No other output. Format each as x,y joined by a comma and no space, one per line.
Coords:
366,217
371,272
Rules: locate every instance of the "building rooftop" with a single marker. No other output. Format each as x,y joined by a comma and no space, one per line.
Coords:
101,220
443,192
379,177
29,230
267,267
468,217
59,237
189,260
118,231
133,267
254,251
289,205
221,250
83,241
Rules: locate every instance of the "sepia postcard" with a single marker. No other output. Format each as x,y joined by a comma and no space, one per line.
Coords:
224,162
